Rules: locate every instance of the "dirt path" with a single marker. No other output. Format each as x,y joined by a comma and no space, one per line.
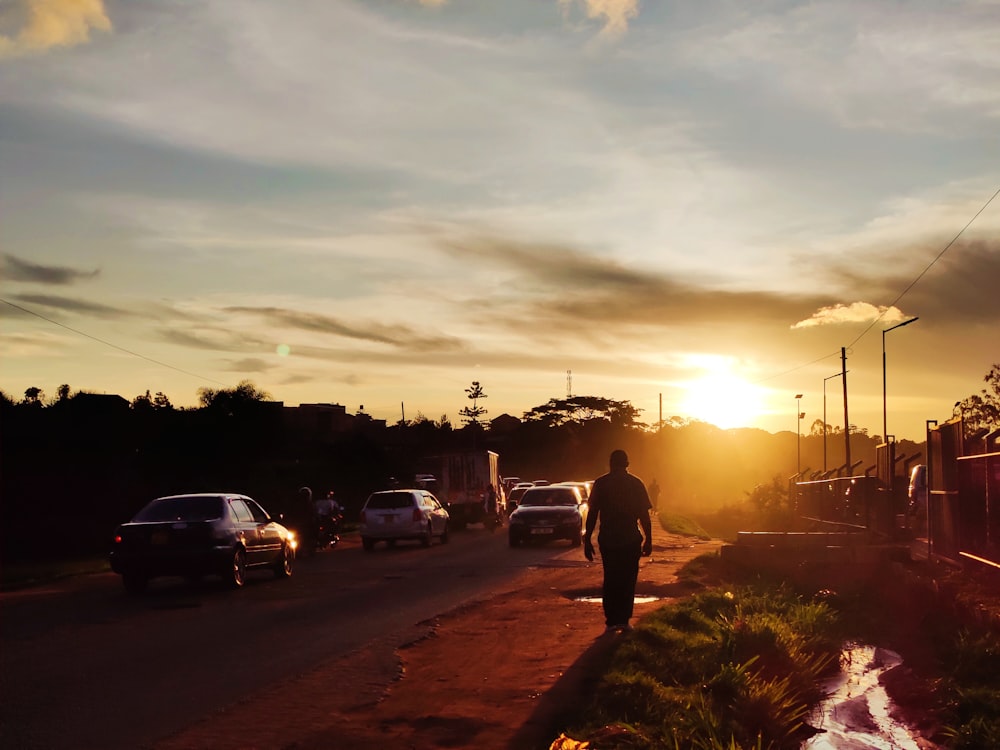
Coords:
494,674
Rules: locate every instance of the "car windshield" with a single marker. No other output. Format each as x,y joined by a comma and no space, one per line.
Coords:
549,497
390,501
182,509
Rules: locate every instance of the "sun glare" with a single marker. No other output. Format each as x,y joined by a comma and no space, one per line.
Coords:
723,400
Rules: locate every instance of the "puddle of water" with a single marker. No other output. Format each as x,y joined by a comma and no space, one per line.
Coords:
856,712
598,600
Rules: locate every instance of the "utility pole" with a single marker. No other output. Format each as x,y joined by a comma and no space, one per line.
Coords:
569,384
847,421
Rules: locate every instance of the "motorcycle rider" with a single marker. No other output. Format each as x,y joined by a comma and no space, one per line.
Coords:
328,515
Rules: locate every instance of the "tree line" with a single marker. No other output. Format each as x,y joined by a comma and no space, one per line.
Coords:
73,467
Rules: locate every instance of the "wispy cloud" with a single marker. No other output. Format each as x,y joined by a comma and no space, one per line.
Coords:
250,364
613,15
69,304
52,23
394,335
13,268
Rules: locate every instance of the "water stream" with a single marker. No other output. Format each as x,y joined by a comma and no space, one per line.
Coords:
855,715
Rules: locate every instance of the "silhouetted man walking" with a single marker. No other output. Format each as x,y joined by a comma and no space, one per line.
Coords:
621,502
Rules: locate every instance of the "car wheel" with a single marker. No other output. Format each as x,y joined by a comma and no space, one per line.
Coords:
444,534
577,540
283,567
513,540
368,544
427,538
134,583
236,576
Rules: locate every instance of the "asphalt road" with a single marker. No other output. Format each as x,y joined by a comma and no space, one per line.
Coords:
84,665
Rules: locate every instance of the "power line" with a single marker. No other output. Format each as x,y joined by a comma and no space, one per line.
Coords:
898,297
928,268
108,343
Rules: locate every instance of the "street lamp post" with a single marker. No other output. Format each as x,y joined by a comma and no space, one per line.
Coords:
885,425
798,435
824,418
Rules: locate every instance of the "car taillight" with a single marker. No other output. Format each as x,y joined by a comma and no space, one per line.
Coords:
362,516
118,538
417,515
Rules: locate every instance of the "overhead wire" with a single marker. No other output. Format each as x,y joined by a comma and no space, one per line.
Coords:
926,269
898,297
108,343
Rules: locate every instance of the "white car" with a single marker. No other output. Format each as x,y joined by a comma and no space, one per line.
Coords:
392,515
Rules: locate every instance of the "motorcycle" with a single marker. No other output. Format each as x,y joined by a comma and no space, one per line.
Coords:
328,528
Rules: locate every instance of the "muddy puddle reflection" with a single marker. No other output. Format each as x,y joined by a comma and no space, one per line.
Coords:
855,716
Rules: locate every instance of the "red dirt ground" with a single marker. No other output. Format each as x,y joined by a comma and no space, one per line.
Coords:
465,681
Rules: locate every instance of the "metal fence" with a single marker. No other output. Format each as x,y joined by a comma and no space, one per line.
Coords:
859,503
963,513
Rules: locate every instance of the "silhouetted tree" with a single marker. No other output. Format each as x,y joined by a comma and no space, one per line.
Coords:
62,393
33,396
141,403
582,409
471,414
982,410
160,401
229,400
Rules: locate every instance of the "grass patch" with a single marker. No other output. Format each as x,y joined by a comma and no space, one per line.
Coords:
682,525
736,667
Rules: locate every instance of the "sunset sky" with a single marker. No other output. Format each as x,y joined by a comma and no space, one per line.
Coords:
376,203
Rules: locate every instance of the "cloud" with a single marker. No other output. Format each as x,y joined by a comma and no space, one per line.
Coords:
613,14
54,23
249,364
559,286
68,304
856,312
214,340
13,268
394,335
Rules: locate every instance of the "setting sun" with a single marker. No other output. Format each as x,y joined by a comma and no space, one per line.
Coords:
721,399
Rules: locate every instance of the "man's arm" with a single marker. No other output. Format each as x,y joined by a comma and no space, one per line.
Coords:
592,513
647,530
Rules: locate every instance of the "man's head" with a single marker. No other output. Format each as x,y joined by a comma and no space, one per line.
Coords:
619,460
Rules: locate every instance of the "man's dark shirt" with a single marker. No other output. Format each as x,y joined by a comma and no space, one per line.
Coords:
621,501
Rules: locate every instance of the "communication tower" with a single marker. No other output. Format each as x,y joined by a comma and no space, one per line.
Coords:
569,384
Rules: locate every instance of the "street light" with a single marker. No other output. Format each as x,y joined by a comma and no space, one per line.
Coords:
885,426
824,417
798,435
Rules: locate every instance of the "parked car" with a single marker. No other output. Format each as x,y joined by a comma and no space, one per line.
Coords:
548,512
199,535
392,515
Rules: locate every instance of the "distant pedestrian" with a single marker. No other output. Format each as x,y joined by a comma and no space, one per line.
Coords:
654,495
619,499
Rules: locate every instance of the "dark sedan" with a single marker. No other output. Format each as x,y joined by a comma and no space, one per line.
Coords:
549,512
198,535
